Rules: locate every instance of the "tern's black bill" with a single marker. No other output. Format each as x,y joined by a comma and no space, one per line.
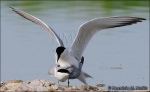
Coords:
63,71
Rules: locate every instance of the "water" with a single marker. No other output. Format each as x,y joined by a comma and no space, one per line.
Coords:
118,57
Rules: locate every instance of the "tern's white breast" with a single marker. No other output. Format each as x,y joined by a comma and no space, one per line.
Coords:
62,76
67,59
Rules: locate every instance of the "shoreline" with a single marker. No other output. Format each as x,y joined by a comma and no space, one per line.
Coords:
46,85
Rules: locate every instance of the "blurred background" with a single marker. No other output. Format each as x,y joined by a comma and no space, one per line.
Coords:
114,57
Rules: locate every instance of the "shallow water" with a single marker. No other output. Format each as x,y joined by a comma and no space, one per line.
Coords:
118,56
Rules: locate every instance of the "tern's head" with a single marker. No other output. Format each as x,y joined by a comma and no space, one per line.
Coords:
59,51
59,73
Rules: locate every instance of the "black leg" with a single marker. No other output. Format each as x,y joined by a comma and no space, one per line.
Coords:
68,82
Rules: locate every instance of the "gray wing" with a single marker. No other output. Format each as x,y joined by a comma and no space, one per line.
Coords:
40,23
88,29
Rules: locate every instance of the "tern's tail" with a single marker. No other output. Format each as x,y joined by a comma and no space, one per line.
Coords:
83,76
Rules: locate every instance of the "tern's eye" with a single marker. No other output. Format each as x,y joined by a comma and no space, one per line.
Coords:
58,65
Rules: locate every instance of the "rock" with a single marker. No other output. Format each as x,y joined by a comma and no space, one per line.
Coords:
88,88
93,88
41,85
2,83
84,87
19,85
74,88
100,85
14,81
22,87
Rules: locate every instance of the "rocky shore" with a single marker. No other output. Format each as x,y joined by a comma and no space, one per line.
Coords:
45,85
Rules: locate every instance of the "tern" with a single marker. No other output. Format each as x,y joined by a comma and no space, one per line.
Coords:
69,61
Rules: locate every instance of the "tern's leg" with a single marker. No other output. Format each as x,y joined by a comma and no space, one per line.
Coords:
68,82
58,82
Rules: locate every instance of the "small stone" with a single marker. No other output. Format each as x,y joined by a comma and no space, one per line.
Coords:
100,85
74,88
84,87
55,87
60,88
2,84
14,81
93,88
3,89
51,90
28,82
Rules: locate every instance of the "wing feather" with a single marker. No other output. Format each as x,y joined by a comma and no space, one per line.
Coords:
88,29
40,23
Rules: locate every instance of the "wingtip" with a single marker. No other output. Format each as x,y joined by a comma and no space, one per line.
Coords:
11,7
91,77
143,19
138,19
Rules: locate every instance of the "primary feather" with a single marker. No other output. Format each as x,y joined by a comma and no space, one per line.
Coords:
88,29
40,23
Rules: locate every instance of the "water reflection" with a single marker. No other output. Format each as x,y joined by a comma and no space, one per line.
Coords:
108,7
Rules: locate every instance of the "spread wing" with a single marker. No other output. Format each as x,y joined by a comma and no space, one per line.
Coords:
88,29
40,23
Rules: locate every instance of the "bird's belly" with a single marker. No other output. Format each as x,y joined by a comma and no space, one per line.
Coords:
62,76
